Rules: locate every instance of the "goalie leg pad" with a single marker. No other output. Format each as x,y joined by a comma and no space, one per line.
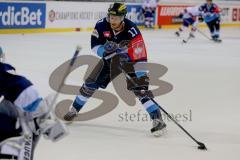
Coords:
11,148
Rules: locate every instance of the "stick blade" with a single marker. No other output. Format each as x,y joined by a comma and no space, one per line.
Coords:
202,146
184,41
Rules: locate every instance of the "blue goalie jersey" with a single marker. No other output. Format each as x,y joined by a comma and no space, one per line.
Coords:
11,86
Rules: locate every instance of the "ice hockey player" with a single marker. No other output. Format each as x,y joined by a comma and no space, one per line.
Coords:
24,116
211,15
116,35
148,10
189,16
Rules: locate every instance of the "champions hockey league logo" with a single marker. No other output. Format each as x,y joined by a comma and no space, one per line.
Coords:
51,16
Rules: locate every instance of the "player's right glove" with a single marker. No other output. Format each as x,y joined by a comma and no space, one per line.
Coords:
112,49
141,83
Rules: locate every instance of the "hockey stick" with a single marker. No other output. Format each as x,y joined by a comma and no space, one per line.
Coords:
203,34
78,49
201,145
186,40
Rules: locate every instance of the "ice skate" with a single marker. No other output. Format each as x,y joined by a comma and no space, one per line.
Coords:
177,34
191,35
217,40
71,114
159,128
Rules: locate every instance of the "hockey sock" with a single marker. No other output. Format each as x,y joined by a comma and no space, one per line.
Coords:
151,108
79,102
216,34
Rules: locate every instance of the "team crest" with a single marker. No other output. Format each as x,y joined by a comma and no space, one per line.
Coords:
107,34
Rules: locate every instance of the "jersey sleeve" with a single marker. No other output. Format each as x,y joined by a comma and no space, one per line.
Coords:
19,91
137,50
201,8
216,9
96,41
4,67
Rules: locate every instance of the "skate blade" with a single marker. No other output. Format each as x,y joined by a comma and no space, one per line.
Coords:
160,133
68,122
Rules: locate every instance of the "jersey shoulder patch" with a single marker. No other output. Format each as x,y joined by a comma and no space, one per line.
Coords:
98,27
101,21
95,33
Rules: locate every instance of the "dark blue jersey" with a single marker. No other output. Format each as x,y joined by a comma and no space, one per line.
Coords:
5,67
210,12
11,86
103,33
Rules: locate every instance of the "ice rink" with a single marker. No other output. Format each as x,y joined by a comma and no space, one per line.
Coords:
205,97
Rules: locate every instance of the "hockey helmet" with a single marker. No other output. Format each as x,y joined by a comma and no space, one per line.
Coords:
117,9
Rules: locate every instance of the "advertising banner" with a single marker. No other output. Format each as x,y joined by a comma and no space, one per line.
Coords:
236,14
135,14
167,14
74,15
22,15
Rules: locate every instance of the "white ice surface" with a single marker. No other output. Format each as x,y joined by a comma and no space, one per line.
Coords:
205,77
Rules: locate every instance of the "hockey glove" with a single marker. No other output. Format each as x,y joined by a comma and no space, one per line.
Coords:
140,83
111,48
